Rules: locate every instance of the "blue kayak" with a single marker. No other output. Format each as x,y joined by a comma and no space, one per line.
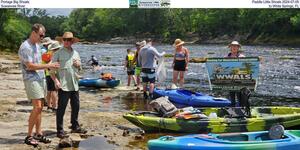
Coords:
190,98
99,83
229,141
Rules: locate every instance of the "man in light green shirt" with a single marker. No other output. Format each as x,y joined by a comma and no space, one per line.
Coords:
67,83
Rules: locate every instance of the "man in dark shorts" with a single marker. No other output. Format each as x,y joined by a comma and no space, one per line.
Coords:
147,57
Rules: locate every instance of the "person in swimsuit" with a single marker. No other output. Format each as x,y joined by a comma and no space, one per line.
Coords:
95,63
180,63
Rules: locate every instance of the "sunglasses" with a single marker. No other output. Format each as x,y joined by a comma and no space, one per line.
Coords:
40,35
67,39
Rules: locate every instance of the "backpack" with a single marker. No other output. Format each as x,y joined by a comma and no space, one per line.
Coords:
164,107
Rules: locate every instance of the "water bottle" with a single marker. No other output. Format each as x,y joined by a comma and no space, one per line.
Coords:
213,115
188,108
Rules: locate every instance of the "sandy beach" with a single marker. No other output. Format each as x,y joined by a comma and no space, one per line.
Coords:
15,110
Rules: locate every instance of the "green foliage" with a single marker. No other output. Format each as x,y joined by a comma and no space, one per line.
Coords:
15,31
166,24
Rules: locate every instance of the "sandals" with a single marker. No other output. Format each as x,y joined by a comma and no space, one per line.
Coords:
42,138
29,140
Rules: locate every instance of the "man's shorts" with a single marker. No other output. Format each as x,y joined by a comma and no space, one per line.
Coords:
148,75
130,71
35,89
50,84
138,71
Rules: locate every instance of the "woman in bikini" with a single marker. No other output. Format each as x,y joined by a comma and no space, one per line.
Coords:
180,63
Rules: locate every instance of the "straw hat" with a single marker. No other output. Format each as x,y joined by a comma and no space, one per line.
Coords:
143,43
46,41
234,43
178,42
54,45
67,35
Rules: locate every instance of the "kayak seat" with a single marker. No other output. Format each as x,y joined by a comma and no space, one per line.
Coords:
265,136
233,112
276,132
262,137
189,93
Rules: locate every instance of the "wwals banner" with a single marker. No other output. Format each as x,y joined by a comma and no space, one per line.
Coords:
232,74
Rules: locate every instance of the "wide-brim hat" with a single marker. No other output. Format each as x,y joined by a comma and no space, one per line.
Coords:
142,43
178,42
235,43
46,41
54,45
67,35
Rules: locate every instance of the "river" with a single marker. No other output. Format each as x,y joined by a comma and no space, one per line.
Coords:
279,77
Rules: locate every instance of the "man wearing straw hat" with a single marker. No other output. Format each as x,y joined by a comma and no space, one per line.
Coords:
67,83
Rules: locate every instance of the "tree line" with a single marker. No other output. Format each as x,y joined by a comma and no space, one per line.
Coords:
166,24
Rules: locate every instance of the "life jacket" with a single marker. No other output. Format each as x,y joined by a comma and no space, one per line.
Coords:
130,63
46,57
106,76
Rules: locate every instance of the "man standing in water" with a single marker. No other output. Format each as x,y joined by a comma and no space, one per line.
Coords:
34,81
95,63
147,59
67,83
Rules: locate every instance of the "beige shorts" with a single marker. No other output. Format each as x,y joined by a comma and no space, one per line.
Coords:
35,89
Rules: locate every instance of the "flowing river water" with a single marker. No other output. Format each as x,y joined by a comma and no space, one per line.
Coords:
279,76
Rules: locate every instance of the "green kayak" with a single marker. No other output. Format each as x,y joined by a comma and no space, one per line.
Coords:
262,118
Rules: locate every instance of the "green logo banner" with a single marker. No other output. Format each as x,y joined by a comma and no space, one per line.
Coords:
232,74
149,3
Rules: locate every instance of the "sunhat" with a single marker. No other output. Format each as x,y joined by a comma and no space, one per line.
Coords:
54,45
67,35
235,43
143,43
178,42
46,41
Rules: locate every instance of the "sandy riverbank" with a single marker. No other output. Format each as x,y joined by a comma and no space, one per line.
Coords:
15,109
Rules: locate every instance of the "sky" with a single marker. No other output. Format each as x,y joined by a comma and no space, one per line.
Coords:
59,11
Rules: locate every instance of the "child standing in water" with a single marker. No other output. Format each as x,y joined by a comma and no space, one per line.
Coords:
130,67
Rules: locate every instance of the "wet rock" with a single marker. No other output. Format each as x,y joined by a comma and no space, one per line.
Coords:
125,133
85,136
198,60
138,137
111,142
65,143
